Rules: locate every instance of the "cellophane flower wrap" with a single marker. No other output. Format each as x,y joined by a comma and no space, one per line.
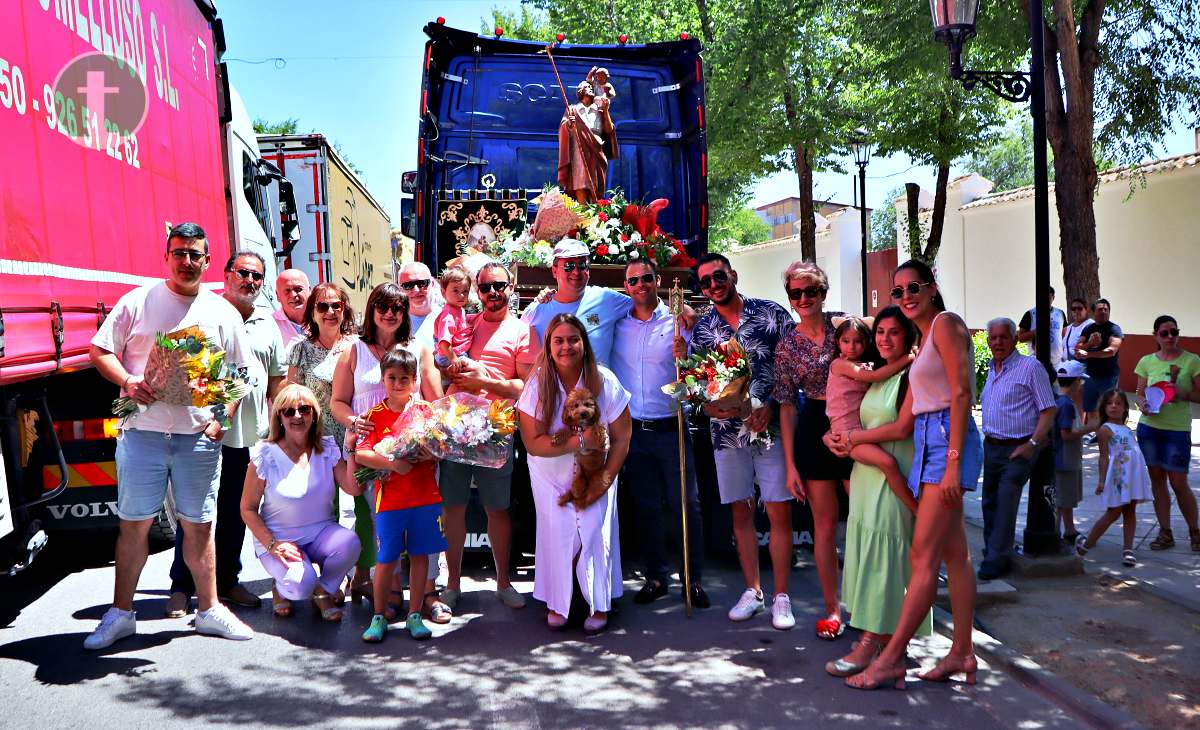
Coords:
413,429
473,430
720,377
185,368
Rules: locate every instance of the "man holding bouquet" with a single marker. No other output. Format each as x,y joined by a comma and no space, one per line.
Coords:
162,442
758,325
503,349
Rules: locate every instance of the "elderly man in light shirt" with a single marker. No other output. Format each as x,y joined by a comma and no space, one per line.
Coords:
642,360
1018,413
292,288
418,284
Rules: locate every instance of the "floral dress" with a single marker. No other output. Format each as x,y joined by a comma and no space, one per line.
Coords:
1127,479
315,364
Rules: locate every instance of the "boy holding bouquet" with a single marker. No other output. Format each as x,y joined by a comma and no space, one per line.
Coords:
407,503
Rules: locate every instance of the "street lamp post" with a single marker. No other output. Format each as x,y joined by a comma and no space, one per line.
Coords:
862,157
954,25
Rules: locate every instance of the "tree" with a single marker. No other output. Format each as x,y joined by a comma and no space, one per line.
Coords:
524,25
286,126
743,228
883,222
1119,75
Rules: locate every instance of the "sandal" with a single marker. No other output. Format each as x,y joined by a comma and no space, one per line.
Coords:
844,668
951,665
1166,540
439,612
830,629
874,678
1128,560
280,606
1081,547
361,590
331,614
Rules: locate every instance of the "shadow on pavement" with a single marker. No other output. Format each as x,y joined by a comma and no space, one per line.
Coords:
61,659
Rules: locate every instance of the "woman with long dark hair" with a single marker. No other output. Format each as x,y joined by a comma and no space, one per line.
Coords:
574,541
879,529
947,458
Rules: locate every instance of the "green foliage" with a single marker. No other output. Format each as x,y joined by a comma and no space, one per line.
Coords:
883,222
743,228
525,24
286,126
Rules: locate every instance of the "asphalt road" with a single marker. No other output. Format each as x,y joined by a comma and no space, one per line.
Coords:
491,667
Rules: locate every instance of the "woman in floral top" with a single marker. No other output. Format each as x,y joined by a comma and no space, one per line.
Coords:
329,325
802,363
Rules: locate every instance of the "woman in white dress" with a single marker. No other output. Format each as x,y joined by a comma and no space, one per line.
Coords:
582,542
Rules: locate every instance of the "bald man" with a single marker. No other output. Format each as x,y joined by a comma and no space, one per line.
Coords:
418,283
292,288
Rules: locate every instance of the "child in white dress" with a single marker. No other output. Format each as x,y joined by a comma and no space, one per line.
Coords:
1124,480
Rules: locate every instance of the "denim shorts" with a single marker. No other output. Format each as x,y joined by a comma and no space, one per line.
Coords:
416,530
739,469
494,485
931,433
148,460
1169,450
1094,387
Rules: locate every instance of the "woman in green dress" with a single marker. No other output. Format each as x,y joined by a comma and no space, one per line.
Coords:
880,526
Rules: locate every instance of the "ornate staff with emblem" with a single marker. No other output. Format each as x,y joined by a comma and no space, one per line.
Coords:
676,298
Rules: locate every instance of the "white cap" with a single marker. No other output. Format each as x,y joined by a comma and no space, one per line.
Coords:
1072,369
570,248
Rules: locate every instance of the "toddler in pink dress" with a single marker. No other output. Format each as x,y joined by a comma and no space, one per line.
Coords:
849,380
453,328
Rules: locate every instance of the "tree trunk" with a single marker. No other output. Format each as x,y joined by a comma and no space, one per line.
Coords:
706,29
939,216
808,223
912,194
1074,196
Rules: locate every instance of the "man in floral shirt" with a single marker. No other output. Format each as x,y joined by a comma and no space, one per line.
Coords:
758,325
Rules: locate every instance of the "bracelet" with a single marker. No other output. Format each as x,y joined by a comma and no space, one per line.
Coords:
556,440
127,379
271,545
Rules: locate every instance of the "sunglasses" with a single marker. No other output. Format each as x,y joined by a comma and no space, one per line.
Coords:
304,410
1169,333
572,265
187,253
646,278
913,288
718,277
492,286
249,274
324,307
812,292
415,284
393,308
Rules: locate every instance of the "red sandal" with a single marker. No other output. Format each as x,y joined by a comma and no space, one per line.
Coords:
830,629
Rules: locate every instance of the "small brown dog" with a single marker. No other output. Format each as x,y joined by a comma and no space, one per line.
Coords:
580,413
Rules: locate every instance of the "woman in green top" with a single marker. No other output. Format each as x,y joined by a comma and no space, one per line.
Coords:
1165,437
879,529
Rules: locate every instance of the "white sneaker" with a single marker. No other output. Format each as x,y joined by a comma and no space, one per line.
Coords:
749,604
781,612
220,621
115,625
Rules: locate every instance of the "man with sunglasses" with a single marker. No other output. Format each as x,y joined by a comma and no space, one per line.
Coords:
164,443
597,307
643,360
249,420
759,325
292,288
503,350
417,282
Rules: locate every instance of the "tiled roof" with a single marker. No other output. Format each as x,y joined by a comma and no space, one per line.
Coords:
1177,162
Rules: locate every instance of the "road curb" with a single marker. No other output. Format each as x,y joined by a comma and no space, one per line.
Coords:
1081,705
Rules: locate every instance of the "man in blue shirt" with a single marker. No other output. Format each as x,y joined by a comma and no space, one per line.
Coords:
758,325
642,360
597,307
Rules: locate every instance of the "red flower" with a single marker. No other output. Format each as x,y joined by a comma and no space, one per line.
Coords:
624,238
602,249
602,216
604,201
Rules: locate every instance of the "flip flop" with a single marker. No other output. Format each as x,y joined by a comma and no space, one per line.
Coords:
830,629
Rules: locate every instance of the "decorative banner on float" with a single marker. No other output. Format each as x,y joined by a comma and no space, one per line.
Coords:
461,223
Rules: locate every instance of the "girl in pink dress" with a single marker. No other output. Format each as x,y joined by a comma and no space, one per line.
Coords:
850,376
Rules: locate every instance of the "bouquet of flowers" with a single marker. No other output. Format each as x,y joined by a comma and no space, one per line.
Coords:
461,427
719,377
412,431
185,368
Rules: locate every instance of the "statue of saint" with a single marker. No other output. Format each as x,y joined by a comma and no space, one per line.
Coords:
587,141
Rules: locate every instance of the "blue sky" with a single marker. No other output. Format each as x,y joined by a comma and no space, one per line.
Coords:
352,71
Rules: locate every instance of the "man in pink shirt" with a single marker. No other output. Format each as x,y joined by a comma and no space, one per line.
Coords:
502,353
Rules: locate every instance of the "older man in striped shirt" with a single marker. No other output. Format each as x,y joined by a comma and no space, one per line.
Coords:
1018,413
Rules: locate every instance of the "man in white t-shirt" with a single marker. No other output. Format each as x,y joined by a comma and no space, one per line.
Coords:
165,443
416,281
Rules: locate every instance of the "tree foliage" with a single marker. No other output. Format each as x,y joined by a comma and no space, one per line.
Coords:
744,227
286,126
883,221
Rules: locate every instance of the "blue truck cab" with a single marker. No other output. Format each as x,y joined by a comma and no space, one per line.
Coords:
490,112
